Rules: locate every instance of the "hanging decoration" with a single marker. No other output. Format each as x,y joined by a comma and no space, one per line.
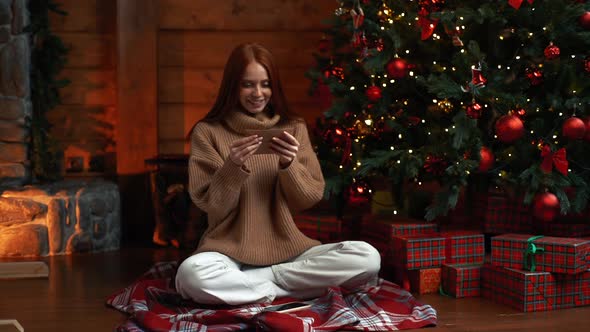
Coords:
573,128
435,165
551,52
486,161
585,20
551,159
509,128
474,110
397,68
373,93
517,3
546,206
358,17
534,75
477,78
359,192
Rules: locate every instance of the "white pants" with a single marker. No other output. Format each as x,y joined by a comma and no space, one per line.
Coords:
214,278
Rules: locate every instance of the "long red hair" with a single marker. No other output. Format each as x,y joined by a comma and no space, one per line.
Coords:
228,95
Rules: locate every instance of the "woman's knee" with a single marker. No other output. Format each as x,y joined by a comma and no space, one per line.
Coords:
199,272
367,256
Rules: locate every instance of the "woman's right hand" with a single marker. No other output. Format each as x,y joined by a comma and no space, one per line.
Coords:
242,149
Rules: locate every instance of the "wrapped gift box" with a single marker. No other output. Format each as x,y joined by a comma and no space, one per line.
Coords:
500,214
461,280
572,290
522,290
560,255
379,231
417,252
323,228
421,281
464,247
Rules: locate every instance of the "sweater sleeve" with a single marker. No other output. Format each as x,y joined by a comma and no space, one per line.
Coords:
214,183
302,181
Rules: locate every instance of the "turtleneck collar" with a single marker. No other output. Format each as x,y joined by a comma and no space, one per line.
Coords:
241,122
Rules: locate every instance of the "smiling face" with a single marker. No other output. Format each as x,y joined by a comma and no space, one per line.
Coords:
255,91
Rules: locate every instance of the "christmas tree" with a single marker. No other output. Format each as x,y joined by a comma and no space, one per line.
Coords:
452,91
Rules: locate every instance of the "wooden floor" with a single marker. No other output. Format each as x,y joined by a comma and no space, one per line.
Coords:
73,298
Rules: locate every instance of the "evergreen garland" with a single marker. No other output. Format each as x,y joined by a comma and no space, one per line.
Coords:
48,57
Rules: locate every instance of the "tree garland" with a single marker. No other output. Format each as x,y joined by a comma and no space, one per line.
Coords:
48,57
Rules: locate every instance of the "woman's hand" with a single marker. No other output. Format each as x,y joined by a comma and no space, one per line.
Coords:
286,146
243,148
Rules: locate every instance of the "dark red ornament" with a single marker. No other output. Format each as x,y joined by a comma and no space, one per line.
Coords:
534,75
509,128
587,64
587,123
431,5
474,110
573,128
373,93
359,193
545,206
435,165
334,71
397,68
486,160
551,52
585,20
335,135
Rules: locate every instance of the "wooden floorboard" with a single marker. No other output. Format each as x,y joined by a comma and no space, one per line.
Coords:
73,298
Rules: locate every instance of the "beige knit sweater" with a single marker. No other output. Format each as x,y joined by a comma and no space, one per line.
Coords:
250,208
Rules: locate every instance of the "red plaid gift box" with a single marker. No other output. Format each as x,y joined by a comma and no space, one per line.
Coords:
379,232
525,291
572,290
418,252
464,247
563,229
500,214
421,281
461,280
323,228
559,254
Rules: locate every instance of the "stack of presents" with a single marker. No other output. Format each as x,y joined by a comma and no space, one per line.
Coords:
497,250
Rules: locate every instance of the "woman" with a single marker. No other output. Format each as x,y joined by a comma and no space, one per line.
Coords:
252,250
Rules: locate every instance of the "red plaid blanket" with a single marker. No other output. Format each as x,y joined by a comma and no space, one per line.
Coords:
153,305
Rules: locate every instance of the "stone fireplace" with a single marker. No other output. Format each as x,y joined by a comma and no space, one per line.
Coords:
38,220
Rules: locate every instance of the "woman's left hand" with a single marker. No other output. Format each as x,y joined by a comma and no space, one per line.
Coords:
286,146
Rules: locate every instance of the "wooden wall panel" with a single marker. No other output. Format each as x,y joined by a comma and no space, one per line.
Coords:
187,85
244,15
85,16
90,50
195,38
210,49
89,86
137,81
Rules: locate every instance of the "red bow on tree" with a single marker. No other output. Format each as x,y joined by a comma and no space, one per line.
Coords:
517,3
426,24
556,158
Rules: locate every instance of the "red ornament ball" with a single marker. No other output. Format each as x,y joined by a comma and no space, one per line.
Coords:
587,64
373,93
551,52
545,206
587,123
397,68
486,160
573,128
534,75
474,111
585,20
509,128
